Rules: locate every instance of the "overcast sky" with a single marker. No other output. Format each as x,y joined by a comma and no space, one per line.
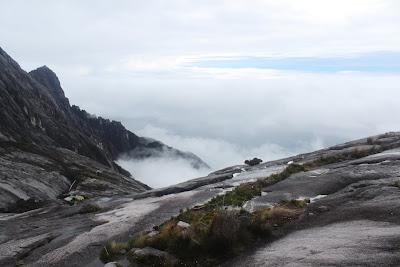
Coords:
224,79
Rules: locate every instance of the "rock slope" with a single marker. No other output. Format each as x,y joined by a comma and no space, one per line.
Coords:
353,213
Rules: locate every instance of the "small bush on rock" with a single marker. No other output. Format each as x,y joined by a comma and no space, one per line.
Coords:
253,162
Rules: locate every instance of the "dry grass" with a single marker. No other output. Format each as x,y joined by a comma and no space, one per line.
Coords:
112,250
218,234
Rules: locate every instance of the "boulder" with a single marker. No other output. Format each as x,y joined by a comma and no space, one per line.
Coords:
153,233
183,224
151,257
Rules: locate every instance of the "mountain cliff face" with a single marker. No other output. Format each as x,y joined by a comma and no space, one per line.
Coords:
35,109
37,118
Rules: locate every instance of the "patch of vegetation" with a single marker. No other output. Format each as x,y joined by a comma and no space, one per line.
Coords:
112,250
89,208
350,155
267,219
217,234
238,196
149,260
247,191
74,199
296,203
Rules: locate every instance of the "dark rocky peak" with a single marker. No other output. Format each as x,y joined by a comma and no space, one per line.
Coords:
45,76
6,62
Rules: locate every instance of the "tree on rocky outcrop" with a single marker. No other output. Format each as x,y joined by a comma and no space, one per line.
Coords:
253,162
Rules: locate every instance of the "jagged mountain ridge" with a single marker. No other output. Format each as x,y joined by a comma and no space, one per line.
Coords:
35,109
49,149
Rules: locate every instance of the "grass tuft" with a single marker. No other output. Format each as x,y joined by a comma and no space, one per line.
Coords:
112,250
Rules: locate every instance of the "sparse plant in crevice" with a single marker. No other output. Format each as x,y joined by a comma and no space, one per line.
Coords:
112,250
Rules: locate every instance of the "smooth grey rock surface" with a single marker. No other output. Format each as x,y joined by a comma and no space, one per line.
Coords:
351,243
356,224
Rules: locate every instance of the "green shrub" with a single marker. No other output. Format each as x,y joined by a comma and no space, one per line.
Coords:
295,203
238,196
264,220
229,231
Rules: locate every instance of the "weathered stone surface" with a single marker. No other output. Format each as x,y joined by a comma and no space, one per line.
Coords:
13,249
152,257
354,189
357,218
45,173
353,243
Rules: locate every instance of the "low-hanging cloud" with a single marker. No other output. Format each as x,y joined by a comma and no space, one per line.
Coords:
167,169
219,153
161,171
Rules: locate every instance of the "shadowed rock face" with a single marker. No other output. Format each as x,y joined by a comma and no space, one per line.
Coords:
41,132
